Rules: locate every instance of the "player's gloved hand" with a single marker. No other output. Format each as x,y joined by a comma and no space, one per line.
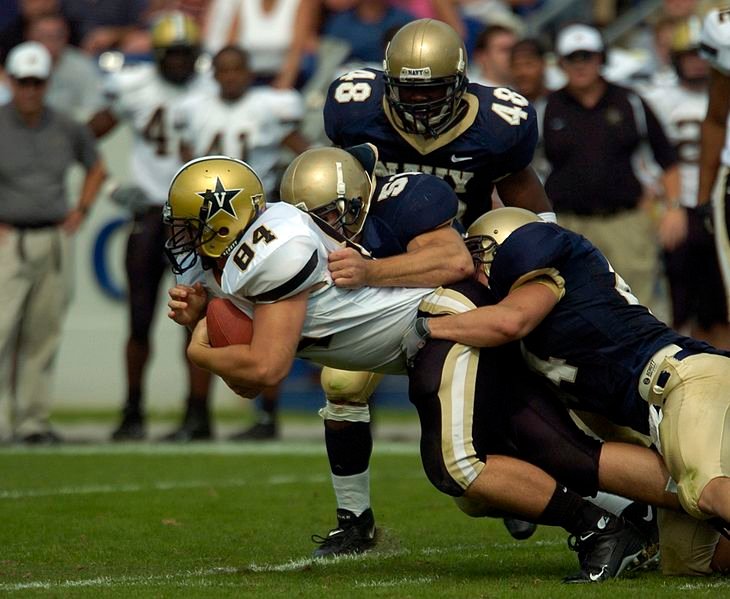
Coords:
414,339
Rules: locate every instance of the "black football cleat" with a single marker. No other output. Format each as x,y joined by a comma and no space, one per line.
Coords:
519,529
354,534
261,431
644,518
190,430
131,428
605,551
48,437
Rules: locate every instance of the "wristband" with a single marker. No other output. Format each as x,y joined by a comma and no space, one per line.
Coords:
422,328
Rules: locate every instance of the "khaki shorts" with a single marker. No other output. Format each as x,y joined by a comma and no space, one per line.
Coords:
687,544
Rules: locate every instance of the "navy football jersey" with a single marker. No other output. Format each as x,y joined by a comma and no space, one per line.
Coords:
403,207
596,341
496,136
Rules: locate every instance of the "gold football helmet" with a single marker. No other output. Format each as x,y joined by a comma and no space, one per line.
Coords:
211,202
686,40
175,29
491,230
333,184
425,76
176,44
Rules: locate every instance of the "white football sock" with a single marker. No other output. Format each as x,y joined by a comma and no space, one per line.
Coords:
353,492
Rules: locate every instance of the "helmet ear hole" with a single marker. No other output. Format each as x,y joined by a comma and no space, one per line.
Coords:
223,231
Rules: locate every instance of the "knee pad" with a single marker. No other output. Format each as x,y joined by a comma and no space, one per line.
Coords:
345,386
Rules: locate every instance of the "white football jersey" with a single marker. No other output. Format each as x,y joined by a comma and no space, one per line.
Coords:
251,129
140,96
282,253
681,112
715,48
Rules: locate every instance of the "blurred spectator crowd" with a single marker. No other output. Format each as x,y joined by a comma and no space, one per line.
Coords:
297,47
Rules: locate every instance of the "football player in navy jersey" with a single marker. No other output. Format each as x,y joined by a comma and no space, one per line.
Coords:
407,225
584,332
423,115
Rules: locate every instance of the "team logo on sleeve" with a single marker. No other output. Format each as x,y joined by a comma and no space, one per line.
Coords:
220,199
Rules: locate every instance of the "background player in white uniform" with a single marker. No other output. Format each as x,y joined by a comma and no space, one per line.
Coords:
715,147
692,265
143,96
254,124
249,123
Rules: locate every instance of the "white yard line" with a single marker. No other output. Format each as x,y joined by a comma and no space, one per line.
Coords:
396,582
204,576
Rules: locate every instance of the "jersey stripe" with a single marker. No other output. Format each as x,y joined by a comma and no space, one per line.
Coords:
286,288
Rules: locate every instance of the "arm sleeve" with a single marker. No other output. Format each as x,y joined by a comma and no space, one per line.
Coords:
111,91
332,116
664,151
521,153
86,151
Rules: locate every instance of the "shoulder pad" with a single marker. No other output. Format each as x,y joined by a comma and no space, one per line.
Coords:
715,39
278,257
284,104
506,123
423,202
350,99
534,250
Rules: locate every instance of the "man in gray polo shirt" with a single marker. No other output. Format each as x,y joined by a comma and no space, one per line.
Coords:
37,147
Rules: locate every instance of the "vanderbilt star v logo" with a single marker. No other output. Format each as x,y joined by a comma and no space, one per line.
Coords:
220,199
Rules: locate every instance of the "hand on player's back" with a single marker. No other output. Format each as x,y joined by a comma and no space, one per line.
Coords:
349,268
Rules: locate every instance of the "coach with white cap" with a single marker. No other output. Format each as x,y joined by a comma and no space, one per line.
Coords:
593,130
37,146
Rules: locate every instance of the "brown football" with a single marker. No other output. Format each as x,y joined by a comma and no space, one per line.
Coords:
227,325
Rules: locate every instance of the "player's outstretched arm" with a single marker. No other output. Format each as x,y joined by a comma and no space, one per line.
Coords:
713,133
438,257
267,360
511,319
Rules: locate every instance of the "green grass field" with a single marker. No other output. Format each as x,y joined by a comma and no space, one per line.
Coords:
231,520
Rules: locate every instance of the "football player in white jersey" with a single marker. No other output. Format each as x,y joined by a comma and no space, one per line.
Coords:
249,123
254,124
715,147
271,260
143,97
692,265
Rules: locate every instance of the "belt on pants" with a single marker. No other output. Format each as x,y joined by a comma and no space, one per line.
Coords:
653,378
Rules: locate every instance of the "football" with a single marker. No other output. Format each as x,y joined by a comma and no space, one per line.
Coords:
227,325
